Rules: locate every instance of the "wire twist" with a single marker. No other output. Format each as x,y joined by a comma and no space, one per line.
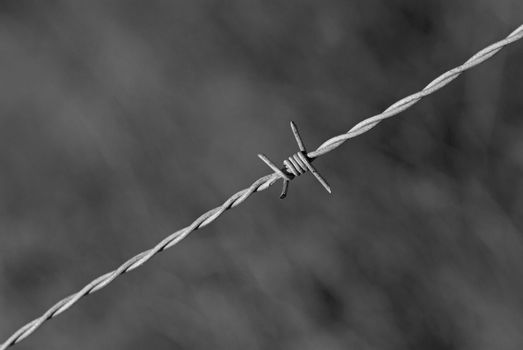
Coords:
287,173
297,164
411,100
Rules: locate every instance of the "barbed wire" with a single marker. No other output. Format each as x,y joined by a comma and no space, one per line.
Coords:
262,184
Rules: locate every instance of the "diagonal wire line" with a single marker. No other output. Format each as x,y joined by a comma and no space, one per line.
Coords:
410,100
261,184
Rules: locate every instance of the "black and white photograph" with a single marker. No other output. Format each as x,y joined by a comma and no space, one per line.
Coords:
261,174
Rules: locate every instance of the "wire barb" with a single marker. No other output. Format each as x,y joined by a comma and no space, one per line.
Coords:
297,164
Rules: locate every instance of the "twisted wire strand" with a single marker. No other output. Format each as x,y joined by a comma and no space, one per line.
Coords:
102,281
261,184
410,100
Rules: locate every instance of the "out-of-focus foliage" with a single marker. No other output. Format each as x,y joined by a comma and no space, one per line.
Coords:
122,121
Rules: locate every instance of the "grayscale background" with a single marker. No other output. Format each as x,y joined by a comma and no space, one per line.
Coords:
122,121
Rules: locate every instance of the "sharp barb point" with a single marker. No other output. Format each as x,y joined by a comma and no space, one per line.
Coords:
284,189
297,136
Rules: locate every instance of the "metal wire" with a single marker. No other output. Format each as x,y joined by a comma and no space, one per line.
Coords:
410,100
259,185
296,165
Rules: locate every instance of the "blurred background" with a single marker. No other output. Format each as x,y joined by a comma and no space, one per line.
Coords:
123,121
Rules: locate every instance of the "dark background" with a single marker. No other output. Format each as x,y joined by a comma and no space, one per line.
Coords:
122,121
